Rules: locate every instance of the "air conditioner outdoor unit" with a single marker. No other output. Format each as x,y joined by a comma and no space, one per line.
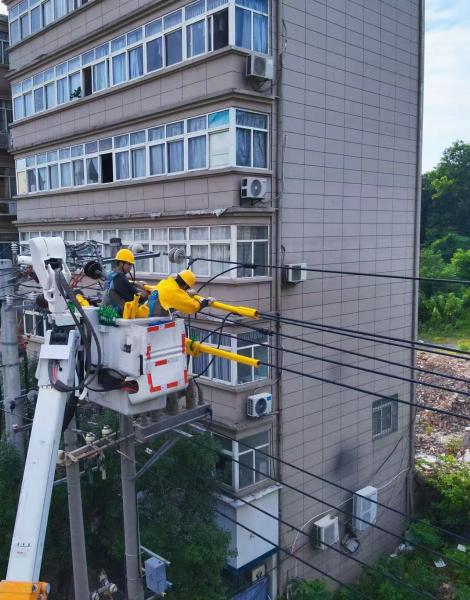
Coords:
254,188
325,531
364,508
295,273
259,405
258,573
261,67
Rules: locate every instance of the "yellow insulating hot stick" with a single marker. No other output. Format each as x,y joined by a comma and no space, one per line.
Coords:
196,349
243,311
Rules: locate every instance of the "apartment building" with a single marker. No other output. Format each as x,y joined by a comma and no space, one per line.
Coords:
274,132
8,232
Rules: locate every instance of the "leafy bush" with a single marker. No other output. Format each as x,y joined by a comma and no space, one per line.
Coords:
310,590
448,245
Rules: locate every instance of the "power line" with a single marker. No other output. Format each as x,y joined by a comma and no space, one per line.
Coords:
340,487
376,338
365,369
338,551
441,411
270,332
292,555
254,266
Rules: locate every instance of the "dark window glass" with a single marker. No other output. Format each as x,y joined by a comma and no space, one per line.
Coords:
174,47
221,29
154,55
107,168
87,81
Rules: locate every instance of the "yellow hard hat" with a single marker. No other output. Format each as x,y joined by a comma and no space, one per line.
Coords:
188,277
125,255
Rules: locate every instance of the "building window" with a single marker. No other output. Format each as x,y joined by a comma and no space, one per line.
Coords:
201,27
226,371
249,453
4,45
203,142
35,324
28,18
384,417
216,243
252,248
6,115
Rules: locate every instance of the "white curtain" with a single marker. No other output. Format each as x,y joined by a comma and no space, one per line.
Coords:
138,162
122,165
157,159
136,65
119,69
197,152
100,76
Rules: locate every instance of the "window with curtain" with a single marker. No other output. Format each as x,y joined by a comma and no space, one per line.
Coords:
175,156
196,38
174,47
47,13
92,170
78,172
157,159
28,104
260,33
35,19
197,152
18,107
243,28
62,91
119,69
138,162
75,83
38,100
122,165
100,76
155,54
136,62
53,177
65,175
50,95
42,178
60,8
31,176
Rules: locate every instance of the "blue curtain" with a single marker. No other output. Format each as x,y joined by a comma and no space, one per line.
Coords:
260,33
28,104
243,28
136,62
122,165
42,178
100,76
175,157
260,5
38,100
197,152
259,149
60,8
47,13
157,159
35,19
243,147
174,47
119,68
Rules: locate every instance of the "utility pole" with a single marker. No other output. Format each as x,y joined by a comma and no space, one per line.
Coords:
10,362
77,531
135,590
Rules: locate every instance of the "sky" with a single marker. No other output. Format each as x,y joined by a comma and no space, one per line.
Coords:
446,77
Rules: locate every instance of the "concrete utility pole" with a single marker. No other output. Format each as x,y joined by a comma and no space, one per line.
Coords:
77,531
10,362
135,590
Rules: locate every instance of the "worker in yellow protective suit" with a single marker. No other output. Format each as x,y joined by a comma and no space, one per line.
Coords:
176,293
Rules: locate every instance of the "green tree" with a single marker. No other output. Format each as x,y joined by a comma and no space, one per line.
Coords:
10,482
445,193
177,520
448,245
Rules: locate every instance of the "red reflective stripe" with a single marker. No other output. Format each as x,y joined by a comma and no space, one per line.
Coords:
153,328
172,384
186,376
153,388
159,363
183,343
169,325
149,350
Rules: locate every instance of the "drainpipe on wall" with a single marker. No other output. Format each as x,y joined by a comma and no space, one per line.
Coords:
277,278
416,255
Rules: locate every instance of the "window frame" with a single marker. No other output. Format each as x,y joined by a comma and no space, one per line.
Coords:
207,16
379,406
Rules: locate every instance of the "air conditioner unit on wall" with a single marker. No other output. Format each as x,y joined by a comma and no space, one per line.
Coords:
253,188
325,531
295,273
259,405
364,508
260,67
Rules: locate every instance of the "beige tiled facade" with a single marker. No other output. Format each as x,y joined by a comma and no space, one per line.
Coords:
342,151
